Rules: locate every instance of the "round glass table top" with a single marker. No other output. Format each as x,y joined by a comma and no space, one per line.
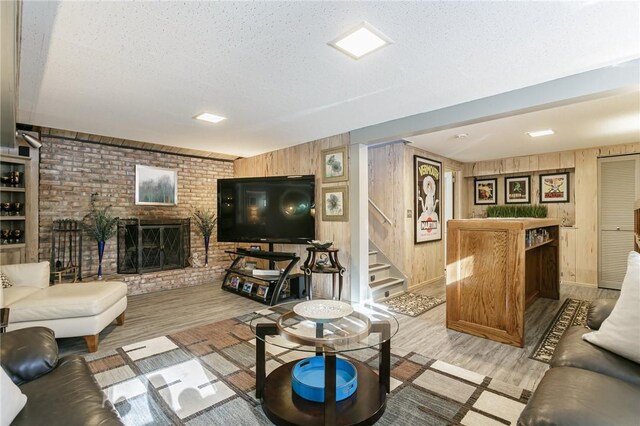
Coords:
327,325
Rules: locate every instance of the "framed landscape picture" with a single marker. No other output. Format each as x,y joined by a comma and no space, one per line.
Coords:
554,188
335,165
517,190
427,190
485,191
335,204
156,186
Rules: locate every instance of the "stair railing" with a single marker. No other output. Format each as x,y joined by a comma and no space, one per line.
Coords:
384,216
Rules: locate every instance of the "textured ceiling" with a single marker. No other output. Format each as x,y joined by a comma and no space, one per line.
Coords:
606,121
141,70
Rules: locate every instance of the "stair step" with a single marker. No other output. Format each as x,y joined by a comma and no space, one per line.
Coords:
385,282
372,252
373,267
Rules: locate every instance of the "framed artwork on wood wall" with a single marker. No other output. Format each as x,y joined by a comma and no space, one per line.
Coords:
335,165
156,186
427,189
335,204
554,188
517,190
485,191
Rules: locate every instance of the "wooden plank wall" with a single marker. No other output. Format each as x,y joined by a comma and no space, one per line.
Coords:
579,242
305,159
391,188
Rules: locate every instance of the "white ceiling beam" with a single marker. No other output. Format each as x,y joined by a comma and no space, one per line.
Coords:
585,86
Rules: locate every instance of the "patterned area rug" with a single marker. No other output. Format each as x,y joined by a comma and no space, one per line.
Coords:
412,304
206,376
573,312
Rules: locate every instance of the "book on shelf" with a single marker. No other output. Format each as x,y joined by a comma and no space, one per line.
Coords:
262,291
247,286
234,282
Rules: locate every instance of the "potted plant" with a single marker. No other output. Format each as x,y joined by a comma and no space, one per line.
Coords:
102,226
205,221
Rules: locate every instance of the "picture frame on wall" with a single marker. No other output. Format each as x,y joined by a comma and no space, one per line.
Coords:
156,186
485,191
335,165
554,188
335,204
427,185
517,190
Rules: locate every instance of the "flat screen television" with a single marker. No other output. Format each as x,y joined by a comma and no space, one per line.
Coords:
267,210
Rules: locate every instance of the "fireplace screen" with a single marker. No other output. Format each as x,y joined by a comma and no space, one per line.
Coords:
152,245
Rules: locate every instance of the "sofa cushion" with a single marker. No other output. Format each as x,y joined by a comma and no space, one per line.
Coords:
28,353
11,401
28,274
13,294
66,396
571,396
573,351
598,311
620,332
68,301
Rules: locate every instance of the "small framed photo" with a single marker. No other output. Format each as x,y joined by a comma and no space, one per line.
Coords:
247,286
485,191
156,186
554,188
335,164
335,204
234,282
517,190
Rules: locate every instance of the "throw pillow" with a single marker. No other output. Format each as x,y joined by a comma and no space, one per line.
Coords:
5,281
12,401
620,332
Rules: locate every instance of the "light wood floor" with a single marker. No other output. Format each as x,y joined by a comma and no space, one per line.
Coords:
156,314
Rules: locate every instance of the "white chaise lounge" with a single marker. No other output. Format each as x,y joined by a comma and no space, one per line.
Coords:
70,310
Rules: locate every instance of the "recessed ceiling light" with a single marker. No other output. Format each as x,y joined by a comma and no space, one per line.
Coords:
461,135
539,133
211,118
360,41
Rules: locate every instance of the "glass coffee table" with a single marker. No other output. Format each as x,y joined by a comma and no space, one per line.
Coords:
324,328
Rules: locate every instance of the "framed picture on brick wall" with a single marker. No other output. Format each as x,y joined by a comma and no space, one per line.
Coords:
156,186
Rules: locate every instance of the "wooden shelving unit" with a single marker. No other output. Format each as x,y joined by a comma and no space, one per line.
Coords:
493,277
270,290
25,249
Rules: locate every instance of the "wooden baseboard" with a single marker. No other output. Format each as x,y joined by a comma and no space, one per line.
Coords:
425,283
579,284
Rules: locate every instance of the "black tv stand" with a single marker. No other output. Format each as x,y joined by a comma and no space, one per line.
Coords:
267,289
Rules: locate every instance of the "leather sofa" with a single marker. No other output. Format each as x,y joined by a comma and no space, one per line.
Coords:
60,391
70,310
586,385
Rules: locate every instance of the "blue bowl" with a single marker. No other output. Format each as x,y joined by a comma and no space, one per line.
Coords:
307,379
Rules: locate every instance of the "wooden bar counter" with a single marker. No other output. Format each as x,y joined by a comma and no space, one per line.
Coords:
492,275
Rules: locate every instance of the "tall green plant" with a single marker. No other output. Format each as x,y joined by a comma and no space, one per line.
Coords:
99,222
205,221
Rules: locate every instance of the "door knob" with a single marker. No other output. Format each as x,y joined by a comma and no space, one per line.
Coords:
617,228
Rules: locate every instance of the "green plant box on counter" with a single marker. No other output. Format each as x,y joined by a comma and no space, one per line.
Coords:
517,211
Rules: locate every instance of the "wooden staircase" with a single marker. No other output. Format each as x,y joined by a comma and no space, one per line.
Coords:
385,280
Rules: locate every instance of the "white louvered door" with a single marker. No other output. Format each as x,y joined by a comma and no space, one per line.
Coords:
618,188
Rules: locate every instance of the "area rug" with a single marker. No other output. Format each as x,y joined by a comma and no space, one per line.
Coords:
412,304
573,312
206,376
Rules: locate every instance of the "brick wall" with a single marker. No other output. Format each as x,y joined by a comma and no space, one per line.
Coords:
71,170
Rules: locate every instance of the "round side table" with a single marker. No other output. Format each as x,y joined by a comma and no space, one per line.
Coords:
332,266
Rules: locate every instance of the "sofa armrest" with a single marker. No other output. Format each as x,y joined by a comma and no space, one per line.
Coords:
28,353
598,311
